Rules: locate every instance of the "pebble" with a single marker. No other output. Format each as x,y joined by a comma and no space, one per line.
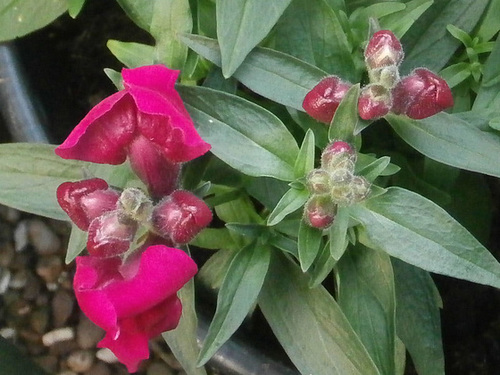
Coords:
18,280
99,368
43,239
87,333
106,355
62,307
5,276
67,372
9,214
39,320
159,368
49,268
8,333
7,254
80,360
33,287
58,335
21,236
47,362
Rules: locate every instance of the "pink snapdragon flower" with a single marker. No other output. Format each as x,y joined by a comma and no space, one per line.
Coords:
147,122
133,301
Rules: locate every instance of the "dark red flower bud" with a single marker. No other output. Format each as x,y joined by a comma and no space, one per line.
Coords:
421,94
383,49
85,200
338,154
323,100
374,102
319,212
110,234
181,216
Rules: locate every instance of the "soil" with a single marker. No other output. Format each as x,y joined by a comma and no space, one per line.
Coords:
71,84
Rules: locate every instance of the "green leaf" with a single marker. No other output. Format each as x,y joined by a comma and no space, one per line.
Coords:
290,202
400,22
15,362
450,140
417,231
77,243
214,239
244,135
346,117
182,340
309,244
417,317
460,35
338,233
164,20
75,7
311,31
305,159
456,73
376,168
237,295
132,55
488,96
489,24
310,325
435,46
241,25
21,17
322,266
30,174
366,296
272,74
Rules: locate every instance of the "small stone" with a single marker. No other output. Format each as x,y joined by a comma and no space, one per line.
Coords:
9,214
43,239
7,254
18,280
49,268
19,308
8,333
21,236
62,307
87,333
106,355
39,320
98,368
5,276
58,335
33,287
29,335
159,368
63,348
67,372
48,363
80,360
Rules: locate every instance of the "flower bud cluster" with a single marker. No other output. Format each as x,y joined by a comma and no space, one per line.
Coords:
334,184
419,95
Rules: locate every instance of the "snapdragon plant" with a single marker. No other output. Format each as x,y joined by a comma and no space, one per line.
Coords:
299,143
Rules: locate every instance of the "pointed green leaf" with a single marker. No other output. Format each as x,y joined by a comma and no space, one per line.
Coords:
272,74
241,25
309,244
77,243
244,135
237,295
400,22
417,318
489,24
322,266
305,159
338,233
74,7
376,168
346,117
311,31
285,244
310,325
182,340
450,140
417,231
290,202
132,55
20,17
488,96
366,296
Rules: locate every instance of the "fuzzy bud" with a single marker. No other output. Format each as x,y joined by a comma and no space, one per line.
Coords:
319,212
421,94
136,205
323,100
374,102
338,154
318,182
181,216
383,49
360,188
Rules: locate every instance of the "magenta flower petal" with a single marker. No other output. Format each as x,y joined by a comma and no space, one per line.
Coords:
134,301
101,137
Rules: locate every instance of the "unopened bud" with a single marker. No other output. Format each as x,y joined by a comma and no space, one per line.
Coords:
360,188
338,154
374,102
323,100
383,49
421,94
387,76
319,212
318,182
85,200
181,216
136,205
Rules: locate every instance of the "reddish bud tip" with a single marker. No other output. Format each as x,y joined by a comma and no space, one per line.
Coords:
85,200
421,94
319,212
338,154
323,100
181,216
383,49
374,102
